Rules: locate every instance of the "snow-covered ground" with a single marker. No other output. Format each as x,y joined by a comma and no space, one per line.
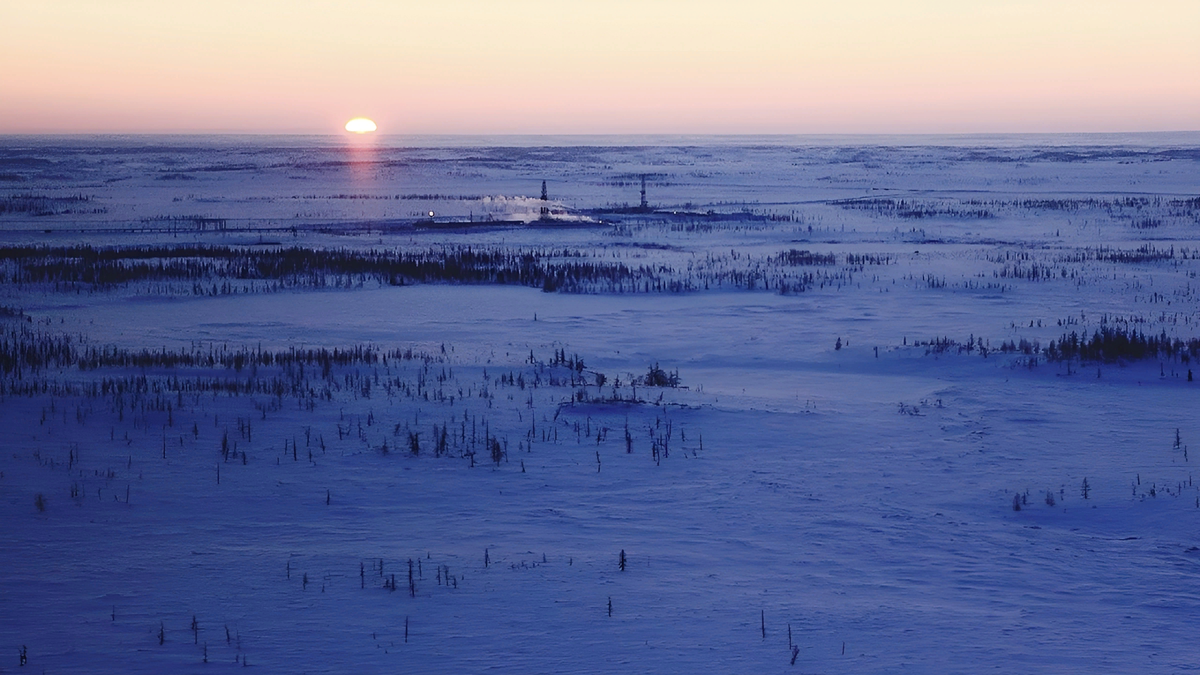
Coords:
822,476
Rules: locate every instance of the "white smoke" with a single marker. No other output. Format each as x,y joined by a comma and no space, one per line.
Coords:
527,209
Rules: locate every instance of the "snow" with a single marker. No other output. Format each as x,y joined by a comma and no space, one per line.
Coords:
860,498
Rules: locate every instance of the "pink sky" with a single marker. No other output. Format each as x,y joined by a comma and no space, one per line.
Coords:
617,66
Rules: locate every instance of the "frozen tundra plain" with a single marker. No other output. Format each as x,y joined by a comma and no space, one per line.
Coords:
802,390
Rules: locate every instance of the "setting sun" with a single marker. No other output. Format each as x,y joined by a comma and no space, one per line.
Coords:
360,125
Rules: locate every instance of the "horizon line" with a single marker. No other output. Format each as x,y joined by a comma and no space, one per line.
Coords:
428,140
1158,132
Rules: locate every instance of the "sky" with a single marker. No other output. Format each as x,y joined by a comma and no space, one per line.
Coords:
599,66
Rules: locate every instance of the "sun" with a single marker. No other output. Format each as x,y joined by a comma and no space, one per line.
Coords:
360,125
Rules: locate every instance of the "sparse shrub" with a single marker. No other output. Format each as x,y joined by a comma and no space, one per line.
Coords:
496,451
657,377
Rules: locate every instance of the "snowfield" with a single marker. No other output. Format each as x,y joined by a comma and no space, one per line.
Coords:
807,394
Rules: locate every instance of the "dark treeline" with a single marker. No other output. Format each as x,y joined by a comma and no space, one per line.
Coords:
797,258
1076,204
199,222
1023,265
45,205
1112,344
25,349
1033,272
863,259
904,208
1105,345
1142,254
987,208
220,270
549,269
325,359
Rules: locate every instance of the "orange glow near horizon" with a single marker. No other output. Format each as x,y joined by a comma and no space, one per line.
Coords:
592,66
